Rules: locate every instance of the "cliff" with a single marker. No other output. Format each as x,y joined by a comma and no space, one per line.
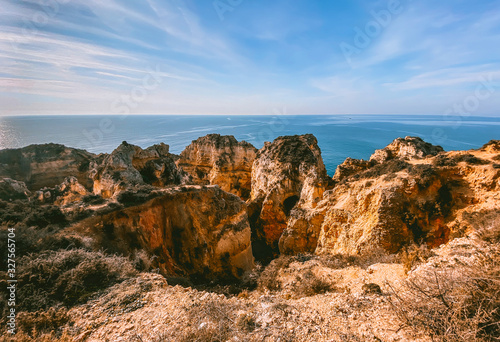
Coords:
408,193
46,165
221,160
129,165
198,232
287,174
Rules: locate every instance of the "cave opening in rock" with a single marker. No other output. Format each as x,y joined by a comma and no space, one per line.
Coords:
289,203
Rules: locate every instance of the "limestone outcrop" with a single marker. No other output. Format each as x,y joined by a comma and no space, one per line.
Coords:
409,192
67,192
129,165
199,232
221,160
46,165
414,193
288,174
406,148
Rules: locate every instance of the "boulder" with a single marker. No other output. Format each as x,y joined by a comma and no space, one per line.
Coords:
65,193
406,148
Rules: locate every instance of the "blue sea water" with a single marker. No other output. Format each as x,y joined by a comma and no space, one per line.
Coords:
339,136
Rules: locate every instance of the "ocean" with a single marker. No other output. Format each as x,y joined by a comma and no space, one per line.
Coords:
339,136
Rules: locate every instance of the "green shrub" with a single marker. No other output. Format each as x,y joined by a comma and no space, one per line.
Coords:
66,277
35,240
42,216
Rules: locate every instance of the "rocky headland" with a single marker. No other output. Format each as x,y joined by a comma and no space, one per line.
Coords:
268,228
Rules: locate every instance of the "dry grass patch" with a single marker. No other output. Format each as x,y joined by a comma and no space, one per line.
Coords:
458,301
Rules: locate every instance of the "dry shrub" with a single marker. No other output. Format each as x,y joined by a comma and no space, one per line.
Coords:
38,337
338,261
306,284
50,280
210,321
414,255
269,276
309,285
454,303
36,239
67,277
42,321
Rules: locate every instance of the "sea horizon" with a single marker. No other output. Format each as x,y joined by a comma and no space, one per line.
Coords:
339,135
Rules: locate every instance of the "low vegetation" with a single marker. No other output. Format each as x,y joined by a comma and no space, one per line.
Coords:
458,301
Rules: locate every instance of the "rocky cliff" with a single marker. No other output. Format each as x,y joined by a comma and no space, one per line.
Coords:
287,174
129,165
409,197
221,160
410,192
46,165
200,232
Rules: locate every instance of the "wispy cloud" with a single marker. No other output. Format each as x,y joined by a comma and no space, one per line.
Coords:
81,55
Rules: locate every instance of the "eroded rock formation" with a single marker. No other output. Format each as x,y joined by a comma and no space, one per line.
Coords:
45,165
129,165
409,192
407,148
287,174
221,160
67,192
200,232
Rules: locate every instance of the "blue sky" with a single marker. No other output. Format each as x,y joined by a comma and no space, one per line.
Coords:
249,57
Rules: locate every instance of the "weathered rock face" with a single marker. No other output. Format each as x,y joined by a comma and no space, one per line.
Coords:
351,166
287,174
11,189
407,148
129,165
221,160
387,213
415,194
67,192
197,231
45,165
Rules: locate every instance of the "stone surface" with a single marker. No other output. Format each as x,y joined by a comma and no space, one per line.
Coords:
351,166
45,165
199,232
365,215
129,165
406,148
416,194
221,160
288,174
67,192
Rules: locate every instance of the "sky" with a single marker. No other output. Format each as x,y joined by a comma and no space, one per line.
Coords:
249,57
